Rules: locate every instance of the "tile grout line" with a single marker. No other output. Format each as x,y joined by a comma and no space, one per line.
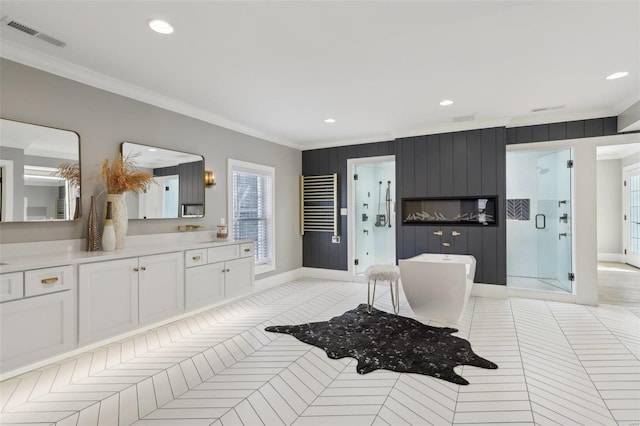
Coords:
553,315
262,324
127,387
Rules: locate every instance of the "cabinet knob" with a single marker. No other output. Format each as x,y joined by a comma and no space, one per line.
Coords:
49,280
143,268
247,250
438,233
136,269
446,244
455,233
196,257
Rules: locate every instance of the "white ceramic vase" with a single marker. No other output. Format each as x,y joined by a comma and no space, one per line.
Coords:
108,232
120,219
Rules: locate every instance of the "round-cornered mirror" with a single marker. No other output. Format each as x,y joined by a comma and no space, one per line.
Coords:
178,190
39,173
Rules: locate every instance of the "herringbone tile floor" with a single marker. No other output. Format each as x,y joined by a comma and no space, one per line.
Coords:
558,364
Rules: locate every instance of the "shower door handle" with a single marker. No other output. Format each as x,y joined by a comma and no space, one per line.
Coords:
544,221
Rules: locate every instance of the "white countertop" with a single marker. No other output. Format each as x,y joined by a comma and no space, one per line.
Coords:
35,255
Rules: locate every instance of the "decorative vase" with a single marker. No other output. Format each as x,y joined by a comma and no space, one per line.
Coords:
108,233
120,219
78,210
92,227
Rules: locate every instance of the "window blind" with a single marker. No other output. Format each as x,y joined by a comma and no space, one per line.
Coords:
252,211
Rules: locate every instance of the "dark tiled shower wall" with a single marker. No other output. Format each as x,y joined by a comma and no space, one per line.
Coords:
468,163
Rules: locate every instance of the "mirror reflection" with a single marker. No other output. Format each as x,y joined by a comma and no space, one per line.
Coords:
179,188
39,173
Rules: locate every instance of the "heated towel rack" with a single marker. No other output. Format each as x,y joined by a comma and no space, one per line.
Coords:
319,203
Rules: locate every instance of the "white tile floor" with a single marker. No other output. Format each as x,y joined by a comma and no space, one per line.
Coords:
558,364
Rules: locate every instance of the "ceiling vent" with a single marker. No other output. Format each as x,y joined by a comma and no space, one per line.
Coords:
551,108
33,32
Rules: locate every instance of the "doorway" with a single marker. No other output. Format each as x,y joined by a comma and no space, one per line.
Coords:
371,200
540,220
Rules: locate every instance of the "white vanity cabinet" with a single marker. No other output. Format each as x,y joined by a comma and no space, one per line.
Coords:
218,273
120,295
37,315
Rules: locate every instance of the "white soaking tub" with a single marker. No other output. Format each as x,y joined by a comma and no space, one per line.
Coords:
437,286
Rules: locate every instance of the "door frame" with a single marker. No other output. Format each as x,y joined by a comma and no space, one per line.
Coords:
627,257
351,208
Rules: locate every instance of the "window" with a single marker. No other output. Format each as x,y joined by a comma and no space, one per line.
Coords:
251,209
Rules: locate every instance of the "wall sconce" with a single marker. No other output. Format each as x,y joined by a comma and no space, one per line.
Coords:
209,179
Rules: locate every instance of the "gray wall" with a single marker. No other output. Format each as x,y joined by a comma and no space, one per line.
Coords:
609,193
104,120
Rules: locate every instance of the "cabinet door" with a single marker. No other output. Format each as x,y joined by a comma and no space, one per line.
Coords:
107,299
11,286
36,328
204,285
238,278
161,286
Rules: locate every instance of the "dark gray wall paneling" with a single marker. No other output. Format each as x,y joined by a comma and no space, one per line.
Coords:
564,130
317,249
448,164
457,164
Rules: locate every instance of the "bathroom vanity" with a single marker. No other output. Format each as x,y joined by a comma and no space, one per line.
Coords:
55,297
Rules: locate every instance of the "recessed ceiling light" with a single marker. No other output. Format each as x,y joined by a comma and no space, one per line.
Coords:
160,26
330,120
617,75
152,149
446,102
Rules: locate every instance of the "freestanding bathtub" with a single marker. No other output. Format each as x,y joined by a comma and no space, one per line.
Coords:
437,286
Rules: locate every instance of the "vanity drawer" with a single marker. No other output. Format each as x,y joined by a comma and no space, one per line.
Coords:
195,257
220,254
11,286
246,250
49,280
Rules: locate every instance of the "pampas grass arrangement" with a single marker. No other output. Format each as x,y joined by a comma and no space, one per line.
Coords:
70,172
120,175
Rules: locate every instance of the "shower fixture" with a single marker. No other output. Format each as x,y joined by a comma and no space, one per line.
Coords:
383,220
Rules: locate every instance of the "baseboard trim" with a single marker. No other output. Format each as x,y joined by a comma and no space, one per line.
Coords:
327,274
489,290
611,257
277,279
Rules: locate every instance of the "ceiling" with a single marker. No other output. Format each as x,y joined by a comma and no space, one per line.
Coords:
276,69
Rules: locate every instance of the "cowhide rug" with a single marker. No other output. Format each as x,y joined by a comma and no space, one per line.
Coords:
380,340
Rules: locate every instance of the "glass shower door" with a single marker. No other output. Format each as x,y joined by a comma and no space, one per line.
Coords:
631,208
553,220
365,216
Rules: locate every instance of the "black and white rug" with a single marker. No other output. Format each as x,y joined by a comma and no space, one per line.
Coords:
380,340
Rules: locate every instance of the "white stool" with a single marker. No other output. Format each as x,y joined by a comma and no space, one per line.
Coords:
389,273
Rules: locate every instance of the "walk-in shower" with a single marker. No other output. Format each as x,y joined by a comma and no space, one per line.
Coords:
539,220
372,209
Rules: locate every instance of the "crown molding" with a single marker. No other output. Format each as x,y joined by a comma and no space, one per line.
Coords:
36,59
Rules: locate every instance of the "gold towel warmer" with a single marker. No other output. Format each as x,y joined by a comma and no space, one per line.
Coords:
319,203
